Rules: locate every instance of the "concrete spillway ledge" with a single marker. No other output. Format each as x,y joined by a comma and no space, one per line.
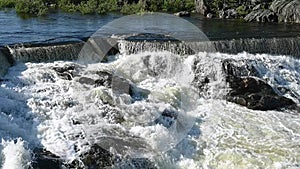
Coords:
70,50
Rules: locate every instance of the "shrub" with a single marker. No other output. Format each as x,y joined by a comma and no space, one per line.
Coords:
133,8
36,7
88,7
41,7
7,3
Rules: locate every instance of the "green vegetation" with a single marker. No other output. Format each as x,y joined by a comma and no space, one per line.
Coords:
42,7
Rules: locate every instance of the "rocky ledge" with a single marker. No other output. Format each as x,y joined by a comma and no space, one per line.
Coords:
247,89
252,10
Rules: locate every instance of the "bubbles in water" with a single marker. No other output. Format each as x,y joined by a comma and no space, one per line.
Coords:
164,77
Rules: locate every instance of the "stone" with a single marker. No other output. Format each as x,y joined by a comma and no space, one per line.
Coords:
44,159
262,15
209,15
247,89
4,64
183,14
287,10
201,7
97,157
67,72
86,80
231,13
167,118
105,79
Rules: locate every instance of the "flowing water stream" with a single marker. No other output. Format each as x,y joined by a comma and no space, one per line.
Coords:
145,105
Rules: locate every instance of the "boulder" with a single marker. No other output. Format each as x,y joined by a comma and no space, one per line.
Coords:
98,157
167,118
255,94
44,159
67,72
183,14
287,10
262,15
201,7
247,89
4,64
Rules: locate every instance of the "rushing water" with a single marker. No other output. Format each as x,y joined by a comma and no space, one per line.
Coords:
39,107
149,108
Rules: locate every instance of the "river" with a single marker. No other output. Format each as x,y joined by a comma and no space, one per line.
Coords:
59,27
156,105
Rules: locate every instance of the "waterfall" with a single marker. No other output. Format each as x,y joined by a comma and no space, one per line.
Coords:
46,53
275,46
4,64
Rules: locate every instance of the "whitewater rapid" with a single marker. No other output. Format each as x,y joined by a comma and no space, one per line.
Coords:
41,108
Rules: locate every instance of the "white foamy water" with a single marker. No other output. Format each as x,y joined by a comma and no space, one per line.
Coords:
66,117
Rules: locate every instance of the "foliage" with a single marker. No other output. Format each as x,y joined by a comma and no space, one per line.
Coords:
133,8
41,7
242,10
7,3
37,7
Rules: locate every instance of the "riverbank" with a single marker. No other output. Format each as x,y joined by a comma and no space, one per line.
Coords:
251,10
43,7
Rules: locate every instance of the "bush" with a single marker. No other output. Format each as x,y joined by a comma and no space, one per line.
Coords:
133,8
41,7
36,7
88,7
7,3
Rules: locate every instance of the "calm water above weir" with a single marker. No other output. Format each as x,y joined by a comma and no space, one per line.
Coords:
60,27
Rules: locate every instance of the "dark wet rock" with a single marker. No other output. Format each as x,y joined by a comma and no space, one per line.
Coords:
256,94
112,115
104,79
239,68
118,84
262,15
183,13
250,91
5,64
167,118
138,93
121,85
44,159
97,157
67,72
86,80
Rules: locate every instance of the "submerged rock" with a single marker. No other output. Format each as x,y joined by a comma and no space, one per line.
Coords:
98,157
44,159
67,72
167,118
250,91
4,64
